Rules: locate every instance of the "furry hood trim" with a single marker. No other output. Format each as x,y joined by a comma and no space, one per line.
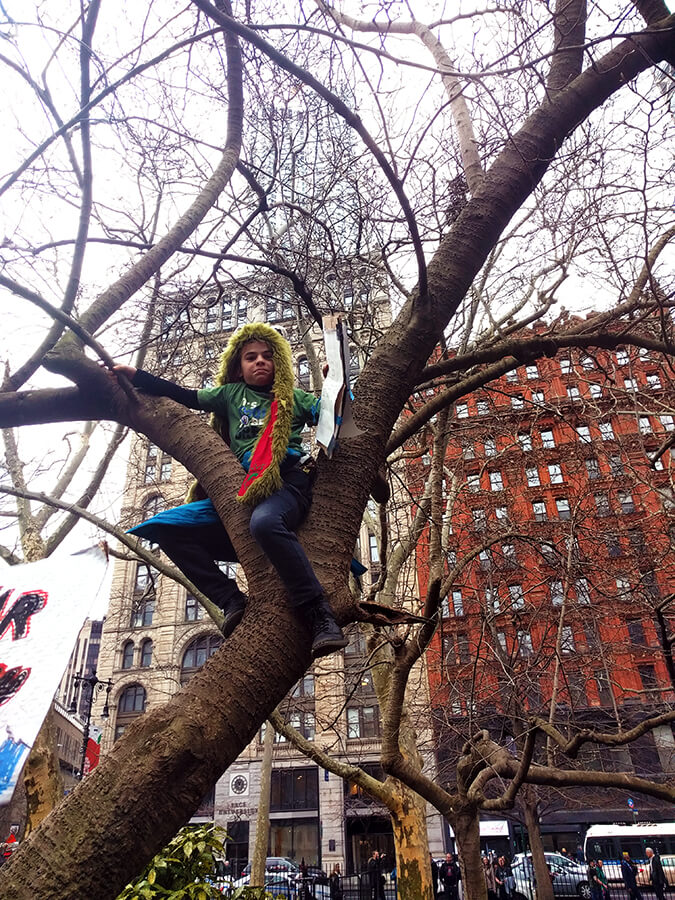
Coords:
264,477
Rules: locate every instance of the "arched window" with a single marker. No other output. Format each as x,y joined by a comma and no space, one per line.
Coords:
128,655
130,705
146,653
196,654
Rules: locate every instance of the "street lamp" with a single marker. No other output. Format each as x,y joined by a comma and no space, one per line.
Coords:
95,686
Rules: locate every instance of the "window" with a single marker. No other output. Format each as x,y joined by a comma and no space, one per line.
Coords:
294,789
363,722
538,398
567,640
304,687
303,721
133,699
467,452
547,440
539,510
496,483
473,481
616,466
563,507
606,431
490,447
630,384
604,688
588,363
501,640
649,681
595,391
654,382
463,651
492,602
636,632
516,596
479,519
556,590
457,603
197,652
525,441
592,468
602,506
566,365
373,552
128,655
623,588
510,556
668,423
583,594
622,357
573,392
637,541
584,434
613,545
150,472
525,647
626,502
207,380
517,401
549,553
555,473
485,560
482,407
501,513
512,375
532,475
462,410
193,609
531,372
142,613
152,451
165,469
645,425
146,654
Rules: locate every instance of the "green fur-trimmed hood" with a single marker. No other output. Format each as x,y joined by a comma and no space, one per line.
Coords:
282,389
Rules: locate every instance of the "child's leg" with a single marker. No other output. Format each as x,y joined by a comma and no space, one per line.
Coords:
194,551
273,525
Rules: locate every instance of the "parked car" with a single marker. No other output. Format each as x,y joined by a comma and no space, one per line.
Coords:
569,879
274,864
283,879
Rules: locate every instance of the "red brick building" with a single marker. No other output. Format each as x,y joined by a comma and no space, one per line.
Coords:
564,539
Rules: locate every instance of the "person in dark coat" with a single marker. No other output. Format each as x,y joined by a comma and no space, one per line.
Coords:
503,876
335,883
449,875
629,875
594,880
375,876
656,874
434,874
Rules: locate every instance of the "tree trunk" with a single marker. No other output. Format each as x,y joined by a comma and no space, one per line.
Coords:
262,823
413,871
541,873
466,826
42,775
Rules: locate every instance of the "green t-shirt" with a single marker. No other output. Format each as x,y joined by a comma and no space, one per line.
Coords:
244,409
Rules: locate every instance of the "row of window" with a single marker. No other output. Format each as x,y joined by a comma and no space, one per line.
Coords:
587,363
537,398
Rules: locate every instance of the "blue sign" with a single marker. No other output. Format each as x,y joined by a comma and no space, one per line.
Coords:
630,802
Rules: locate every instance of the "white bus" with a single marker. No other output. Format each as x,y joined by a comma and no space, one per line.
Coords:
608,842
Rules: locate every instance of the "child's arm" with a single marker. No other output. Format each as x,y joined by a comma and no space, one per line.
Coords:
159,387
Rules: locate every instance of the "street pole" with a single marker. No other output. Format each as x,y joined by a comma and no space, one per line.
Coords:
95,686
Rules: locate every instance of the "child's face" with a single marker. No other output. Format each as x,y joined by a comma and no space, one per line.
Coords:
257,363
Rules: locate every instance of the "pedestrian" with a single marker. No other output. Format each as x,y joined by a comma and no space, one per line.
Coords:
434,874
450,875
375,876
260,414
503,876
629,874
335,883
594,881
490,880
602,875
657,877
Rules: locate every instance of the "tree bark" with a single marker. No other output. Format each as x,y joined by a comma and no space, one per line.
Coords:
541,873
262,822
466,825
42,775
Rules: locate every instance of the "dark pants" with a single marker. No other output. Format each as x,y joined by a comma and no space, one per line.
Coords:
274,522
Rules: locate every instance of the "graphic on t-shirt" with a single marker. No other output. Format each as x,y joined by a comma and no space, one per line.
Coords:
251,418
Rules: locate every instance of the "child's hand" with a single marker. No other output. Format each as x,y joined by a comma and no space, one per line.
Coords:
128,371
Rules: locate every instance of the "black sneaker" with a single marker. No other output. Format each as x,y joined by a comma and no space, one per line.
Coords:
234,613
327,636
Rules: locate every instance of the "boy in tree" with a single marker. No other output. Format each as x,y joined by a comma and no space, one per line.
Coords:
260,415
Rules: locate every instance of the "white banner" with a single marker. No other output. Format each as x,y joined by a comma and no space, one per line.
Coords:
42,608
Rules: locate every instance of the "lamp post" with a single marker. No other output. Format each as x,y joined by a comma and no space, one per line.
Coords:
95,686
